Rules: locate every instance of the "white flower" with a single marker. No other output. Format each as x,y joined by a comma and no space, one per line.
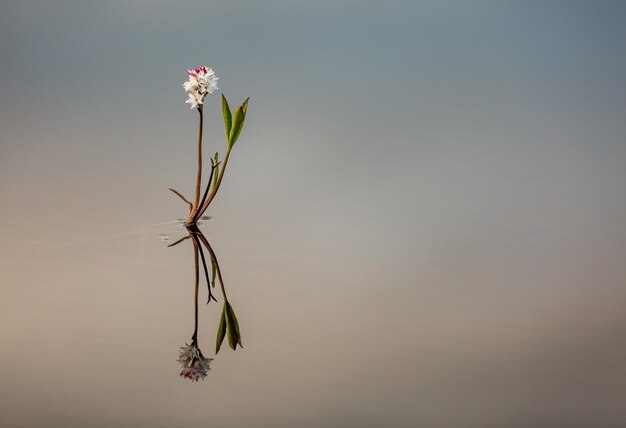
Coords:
194,364
202,82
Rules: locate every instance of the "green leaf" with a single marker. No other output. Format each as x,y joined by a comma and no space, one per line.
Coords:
234,337
221,331
238,120
227,116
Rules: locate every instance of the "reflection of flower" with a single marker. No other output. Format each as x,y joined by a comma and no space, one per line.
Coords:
202,81
195,365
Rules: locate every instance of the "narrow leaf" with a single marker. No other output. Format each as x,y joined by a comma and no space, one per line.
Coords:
227,116
221,331
238,120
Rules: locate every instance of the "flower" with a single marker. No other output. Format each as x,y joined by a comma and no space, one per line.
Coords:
202,82
195,365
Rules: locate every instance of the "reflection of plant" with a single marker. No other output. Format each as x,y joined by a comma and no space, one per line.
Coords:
228,320
202,82
228,324
195,365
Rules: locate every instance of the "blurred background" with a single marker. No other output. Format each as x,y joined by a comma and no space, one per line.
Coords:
423,222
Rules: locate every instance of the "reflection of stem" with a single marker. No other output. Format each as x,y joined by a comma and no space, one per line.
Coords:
197,271
206,272
198,239
179,241
214,260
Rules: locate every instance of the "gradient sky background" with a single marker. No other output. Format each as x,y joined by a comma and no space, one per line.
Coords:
427,199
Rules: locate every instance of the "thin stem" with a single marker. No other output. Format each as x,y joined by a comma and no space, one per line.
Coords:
199,178
183,198
199,212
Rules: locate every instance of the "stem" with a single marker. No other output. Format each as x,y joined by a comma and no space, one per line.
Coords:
199,178
217,185
199,212
183,198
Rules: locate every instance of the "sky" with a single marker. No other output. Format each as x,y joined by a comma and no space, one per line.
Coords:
442,179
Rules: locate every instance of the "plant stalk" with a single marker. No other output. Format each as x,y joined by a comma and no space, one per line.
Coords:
204,206
200,211
196,200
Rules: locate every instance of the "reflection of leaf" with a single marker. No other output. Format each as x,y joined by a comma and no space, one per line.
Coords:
234,336
221,331
229,325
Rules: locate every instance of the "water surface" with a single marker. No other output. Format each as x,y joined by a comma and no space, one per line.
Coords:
422,224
